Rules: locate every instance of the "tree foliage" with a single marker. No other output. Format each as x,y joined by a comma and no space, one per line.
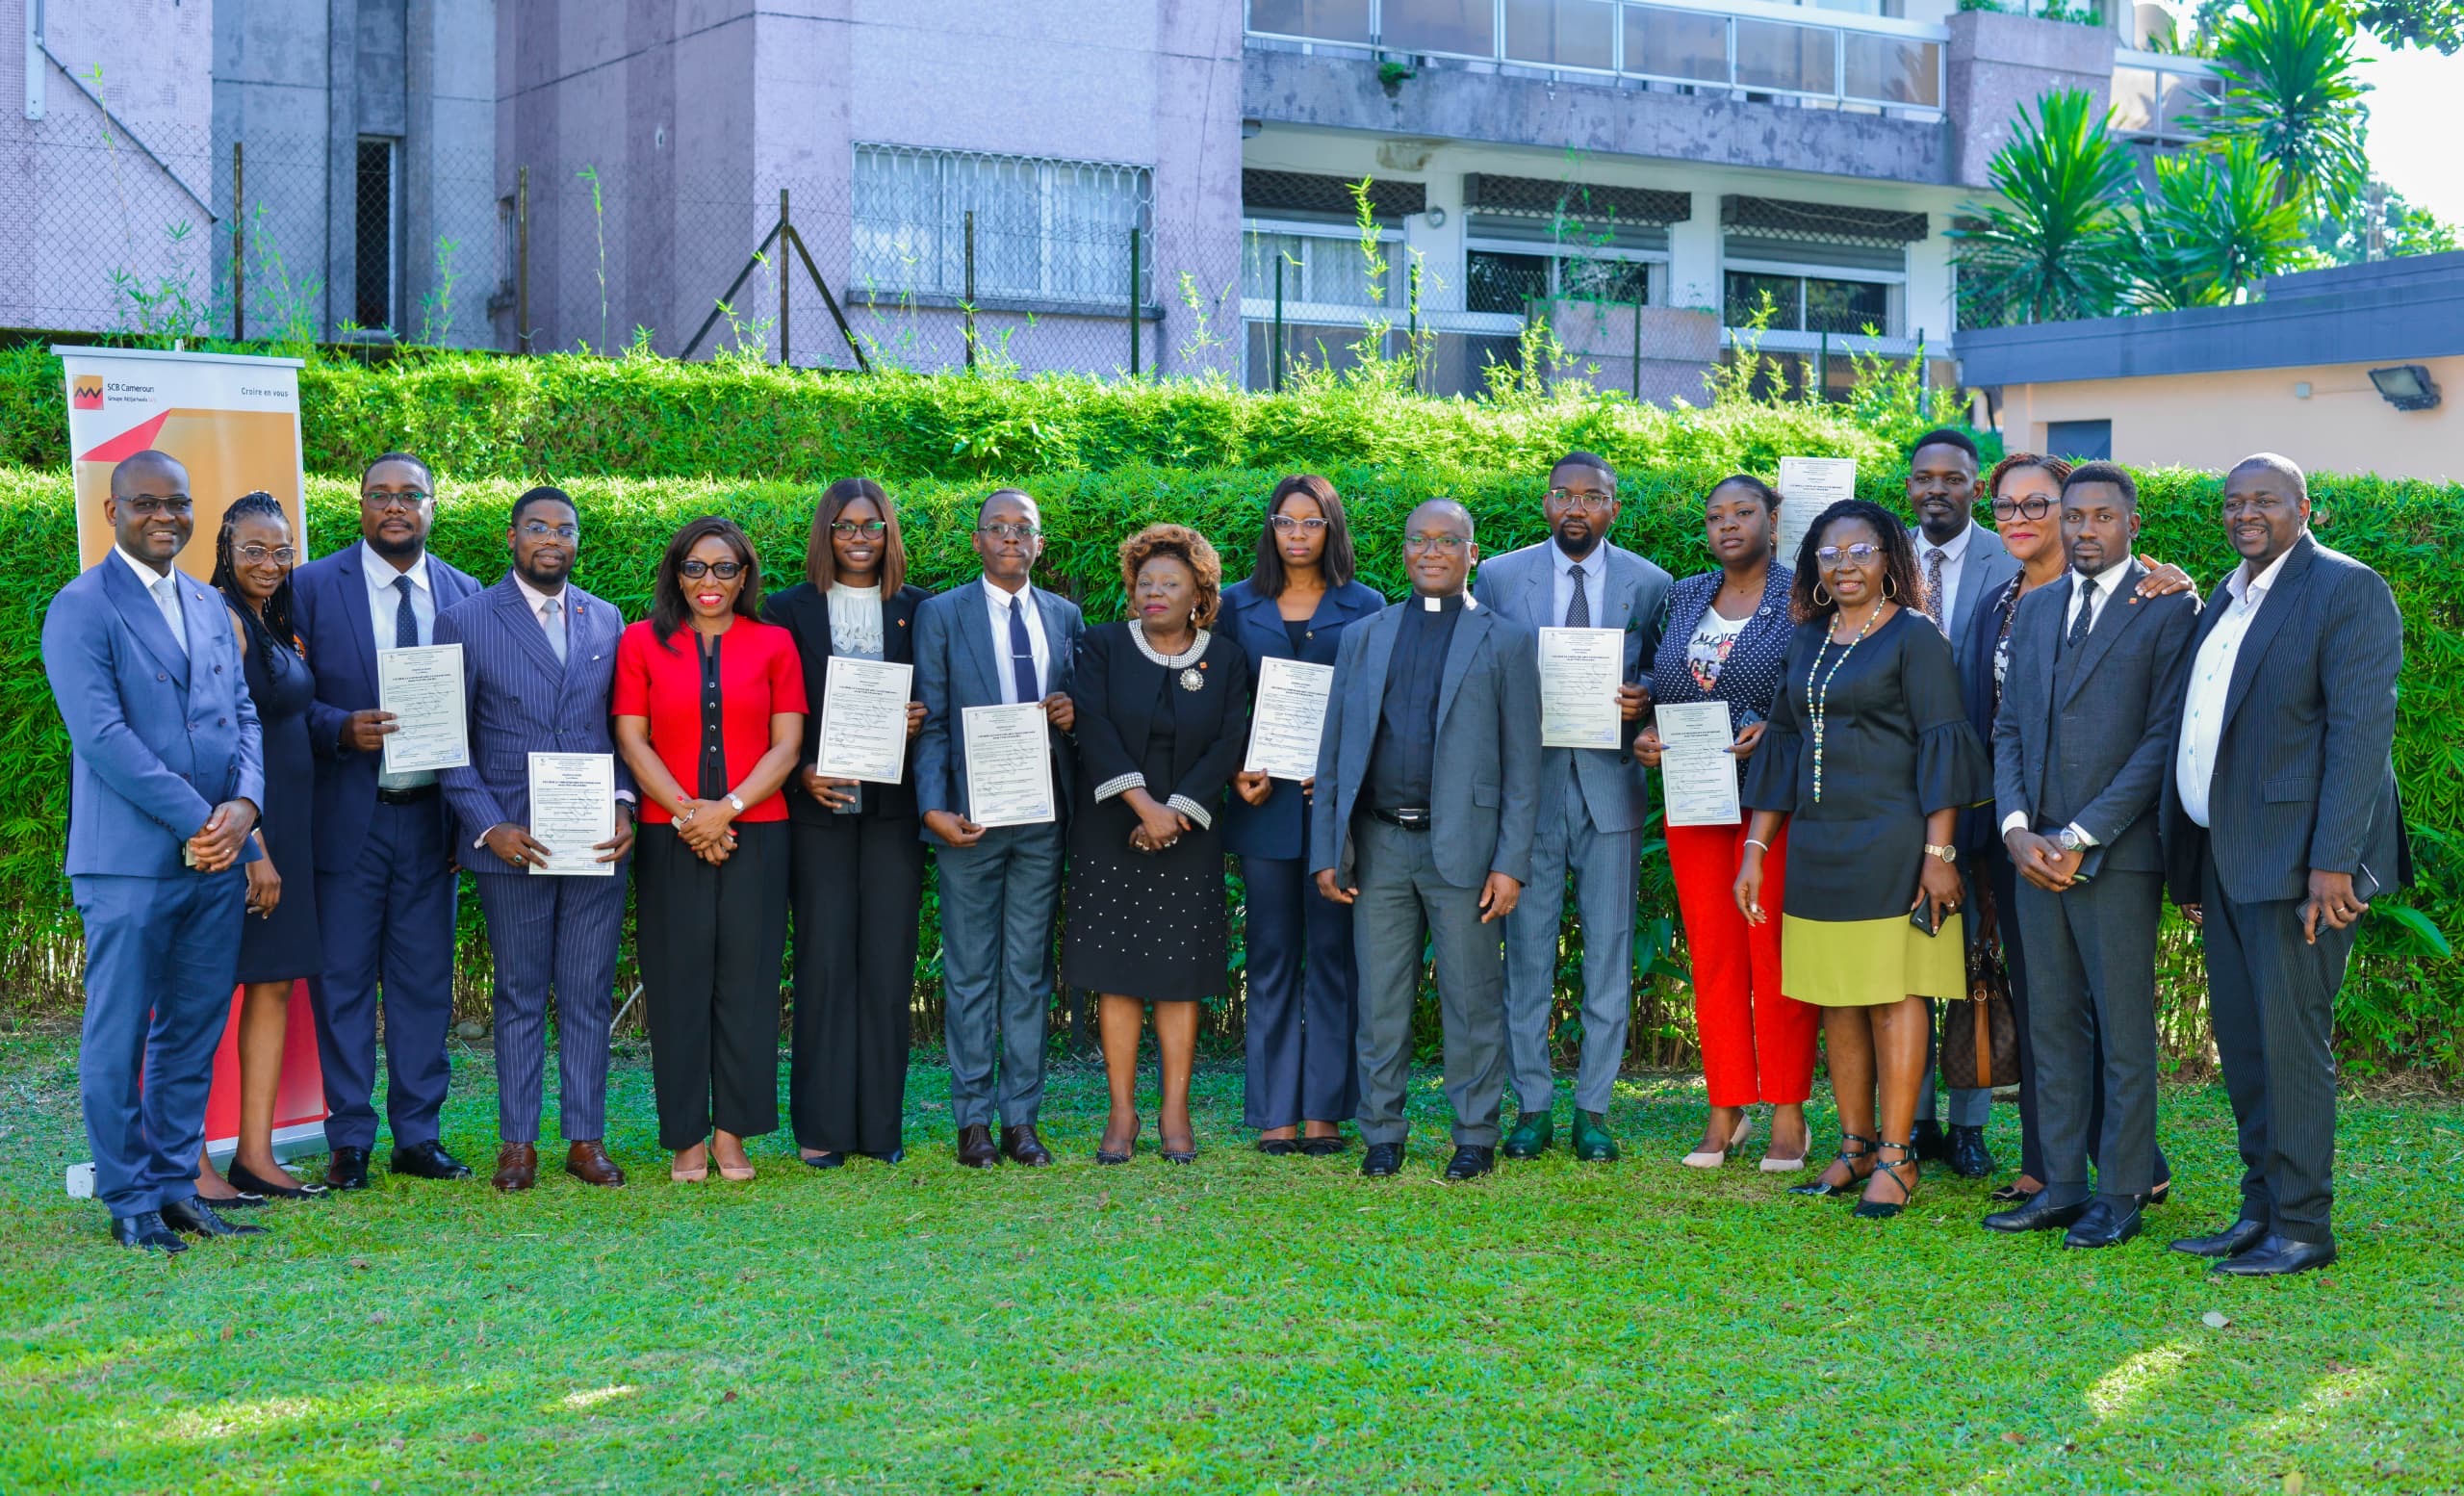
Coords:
2214,223
2049,249
2293,86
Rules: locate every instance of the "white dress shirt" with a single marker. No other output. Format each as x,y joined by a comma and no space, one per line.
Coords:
2107,581
164,587
997,603
2211,679
383,603
548,608
1562,571
1954,563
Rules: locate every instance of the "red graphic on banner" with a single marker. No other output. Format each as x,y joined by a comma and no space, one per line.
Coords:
131,442
301,1098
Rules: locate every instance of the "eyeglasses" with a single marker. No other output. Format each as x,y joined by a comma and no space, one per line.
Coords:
407,500
2035,506
1008,531
146,506
849,530
724,571
541,530
1289,523
1860,552
258,555
1571,498
1416,545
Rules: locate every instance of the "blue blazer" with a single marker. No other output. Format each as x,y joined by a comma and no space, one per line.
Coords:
161,736
521,700
956,665
329,607
1280,827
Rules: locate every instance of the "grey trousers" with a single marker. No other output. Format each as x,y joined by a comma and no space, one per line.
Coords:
1403,902
1603,863
2092,976
1970,1106
998,903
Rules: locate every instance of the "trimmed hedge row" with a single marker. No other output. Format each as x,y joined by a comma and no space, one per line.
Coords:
2398,1010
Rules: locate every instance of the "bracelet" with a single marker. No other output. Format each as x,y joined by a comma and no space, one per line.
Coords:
1764,845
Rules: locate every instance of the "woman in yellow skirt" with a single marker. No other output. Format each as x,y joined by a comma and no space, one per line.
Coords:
1868,760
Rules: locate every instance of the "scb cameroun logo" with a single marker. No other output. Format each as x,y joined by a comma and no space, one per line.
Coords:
87,393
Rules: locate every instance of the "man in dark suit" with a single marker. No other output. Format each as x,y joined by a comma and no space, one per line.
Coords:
1960,564
538,669
384,855
2281,824
164,789
1431,757
2081,744
1005,642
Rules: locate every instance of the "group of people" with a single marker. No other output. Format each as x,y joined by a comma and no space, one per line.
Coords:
1964,750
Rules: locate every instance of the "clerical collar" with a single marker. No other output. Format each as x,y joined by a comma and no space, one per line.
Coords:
1449,603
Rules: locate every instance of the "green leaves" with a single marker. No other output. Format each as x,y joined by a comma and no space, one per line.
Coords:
2048,251
2216,224
2296,92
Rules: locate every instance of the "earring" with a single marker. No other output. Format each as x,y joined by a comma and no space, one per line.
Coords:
1888,593
1821,599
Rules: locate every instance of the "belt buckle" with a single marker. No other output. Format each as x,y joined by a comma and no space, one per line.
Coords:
1415,819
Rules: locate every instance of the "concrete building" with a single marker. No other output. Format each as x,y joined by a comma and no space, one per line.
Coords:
1085,184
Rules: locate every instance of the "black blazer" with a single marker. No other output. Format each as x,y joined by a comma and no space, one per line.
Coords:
1977,835
1253,620
2305,773
1115,695
803,612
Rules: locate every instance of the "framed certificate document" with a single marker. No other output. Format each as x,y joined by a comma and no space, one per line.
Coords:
1008,765
1289,718
1807,486
864,720
1579,672
573,809
422,688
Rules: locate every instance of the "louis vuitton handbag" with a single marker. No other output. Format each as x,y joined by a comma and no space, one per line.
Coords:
1981,1037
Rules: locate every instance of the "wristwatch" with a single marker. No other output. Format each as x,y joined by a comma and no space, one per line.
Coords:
1947,853
733,801
2070,838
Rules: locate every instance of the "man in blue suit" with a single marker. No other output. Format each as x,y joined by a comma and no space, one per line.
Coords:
1004,642
163,795
538,669
384,855
1591,810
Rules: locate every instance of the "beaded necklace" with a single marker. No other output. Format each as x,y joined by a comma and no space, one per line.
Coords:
1818,704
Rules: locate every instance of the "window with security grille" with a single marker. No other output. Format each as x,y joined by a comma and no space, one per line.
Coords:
374,288
1325,269
1045,229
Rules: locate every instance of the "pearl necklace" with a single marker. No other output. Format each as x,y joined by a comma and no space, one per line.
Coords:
1817,706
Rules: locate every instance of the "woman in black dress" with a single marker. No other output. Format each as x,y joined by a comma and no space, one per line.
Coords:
253,555
1163,721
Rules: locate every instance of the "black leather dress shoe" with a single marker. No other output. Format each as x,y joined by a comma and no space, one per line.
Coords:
428,1161
1970,1157
1020,1146
975,1146
2034,1214
1929,1143
197,1218
1470,1162
896,1156
347,1169
1383,1161
146,1232
2231,1242
2274,1257
2109,1222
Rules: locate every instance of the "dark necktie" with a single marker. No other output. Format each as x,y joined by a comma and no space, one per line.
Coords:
1022,651
2080,625
1935,602
1578,611
406,622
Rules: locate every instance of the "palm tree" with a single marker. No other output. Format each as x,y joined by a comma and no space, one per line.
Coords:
2214,224
2049,251
2295,88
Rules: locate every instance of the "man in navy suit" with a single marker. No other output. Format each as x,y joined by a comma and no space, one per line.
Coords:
538,669
163,795
384,855
1004,642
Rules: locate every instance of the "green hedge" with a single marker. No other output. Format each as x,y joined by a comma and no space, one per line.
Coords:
2400,1008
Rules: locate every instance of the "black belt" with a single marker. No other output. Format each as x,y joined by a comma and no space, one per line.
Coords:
1409,819
415,795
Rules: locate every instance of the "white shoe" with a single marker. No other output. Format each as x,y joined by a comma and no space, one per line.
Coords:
1715,1157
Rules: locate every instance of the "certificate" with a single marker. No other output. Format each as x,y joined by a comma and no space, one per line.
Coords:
1579,672
1289,718
422,688
1697,772
1807,486
573,809
864,720
1008,765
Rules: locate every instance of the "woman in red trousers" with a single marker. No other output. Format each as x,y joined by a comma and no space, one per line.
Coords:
1725,640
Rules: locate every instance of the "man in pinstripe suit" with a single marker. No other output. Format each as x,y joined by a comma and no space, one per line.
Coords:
2280,824
538,665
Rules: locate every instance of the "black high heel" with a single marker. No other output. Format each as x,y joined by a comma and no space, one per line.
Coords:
1818,1189
1172,1155
1104,1155
1880,1210
248,1181
2155,1197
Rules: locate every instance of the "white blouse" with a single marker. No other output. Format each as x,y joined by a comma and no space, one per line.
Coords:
856,621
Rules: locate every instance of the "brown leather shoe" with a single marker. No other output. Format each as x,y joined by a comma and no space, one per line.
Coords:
1023,1146
588,1162
975,1146
517,1167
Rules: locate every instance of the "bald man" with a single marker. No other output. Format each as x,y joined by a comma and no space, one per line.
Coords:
2280,824
164,790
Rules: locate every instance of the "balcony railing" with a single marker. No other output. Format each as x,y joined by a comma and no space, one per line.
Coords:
2163,96
1819,57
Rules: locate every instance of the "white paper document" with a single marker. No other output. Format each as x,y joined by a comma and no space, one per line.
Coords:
1289,719
864,720
1008,765
1807,486
1697,772
422,688
1579,672
573,809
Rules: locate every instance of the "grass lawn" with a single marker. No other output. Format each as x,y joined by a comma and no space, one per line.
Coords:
1247,1325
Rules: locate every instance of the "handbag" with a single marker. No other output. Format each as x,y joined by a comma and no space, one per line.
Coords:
1981,1037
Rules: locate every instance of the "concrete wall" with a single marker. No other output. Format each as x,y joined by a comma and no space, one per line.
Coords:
1999,64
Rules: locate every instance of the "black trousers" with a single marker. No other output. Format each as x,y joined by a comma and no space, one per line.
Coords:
710,942
2271,996
853,883
1304,999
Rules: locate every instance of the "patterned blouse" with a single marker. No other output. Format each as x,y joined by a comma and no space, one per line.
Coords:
1744,672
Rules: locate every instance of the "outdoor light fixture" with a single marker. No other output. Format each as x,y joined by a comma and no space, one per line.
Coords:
2407,387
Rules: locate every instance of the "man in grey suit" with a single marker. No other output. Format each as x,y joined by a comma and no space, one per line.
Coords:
2082,744
1431,754
538,669
1001,642
1590,811
2281,823
1961,564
